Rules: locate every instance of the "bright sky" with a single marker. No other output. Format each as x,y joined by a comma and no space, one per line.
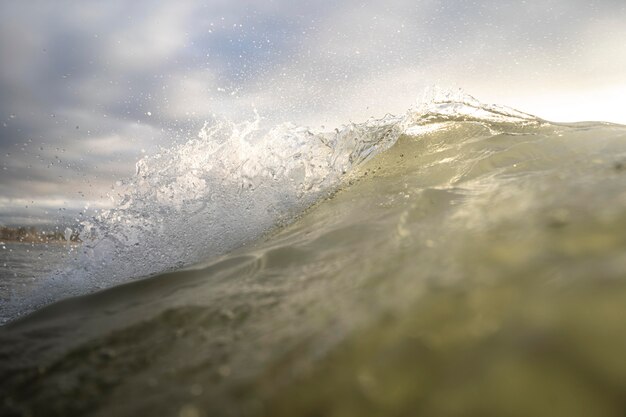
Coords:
87,87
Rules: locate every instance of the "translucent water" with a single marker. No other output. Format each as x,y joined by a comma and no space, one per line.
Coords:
470,263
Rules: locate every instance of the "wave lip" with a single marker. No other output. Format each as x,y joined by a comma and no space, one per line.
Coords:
459,106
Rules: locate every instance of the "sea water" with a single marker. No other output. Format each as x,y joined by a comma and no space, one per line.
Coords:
23,267
459,260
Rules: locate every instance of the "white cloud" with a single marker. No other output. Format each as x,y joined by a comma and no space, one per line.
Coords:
149,39
192,94
104,66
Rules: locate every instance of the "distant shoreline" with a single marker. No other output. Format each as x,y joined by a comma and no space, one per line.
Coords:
33,235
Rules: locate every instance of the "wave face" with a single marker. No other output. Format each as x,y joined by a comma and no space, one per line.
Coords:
470,260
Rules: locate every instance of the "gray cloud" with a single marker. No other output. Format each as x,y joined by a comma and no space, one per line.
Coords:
86,88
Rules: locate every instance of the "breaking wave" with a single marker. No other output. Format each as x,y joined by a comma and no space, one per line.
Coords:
235,182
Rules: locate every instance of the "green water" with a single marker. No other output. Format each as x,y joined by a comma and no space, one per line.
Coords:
478,270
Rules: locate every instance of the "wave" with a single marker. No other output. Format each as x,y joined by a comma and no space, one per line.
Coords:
486,234
235,182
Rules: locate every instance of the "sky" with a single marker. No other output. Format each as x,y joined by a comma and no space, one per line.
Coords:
87,88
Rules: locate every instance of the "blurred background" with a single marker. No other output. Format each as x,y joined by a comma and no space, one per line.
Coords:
87,88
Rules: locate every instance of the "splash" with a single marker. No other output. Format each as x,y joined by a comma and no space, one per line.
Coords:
221,190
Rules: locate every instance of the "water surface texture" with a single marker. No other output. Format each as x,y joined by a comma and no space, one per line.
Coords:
464,260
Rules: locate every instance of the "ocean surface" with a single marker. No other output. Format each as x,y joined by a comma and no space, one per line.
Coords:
458,260
25,266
